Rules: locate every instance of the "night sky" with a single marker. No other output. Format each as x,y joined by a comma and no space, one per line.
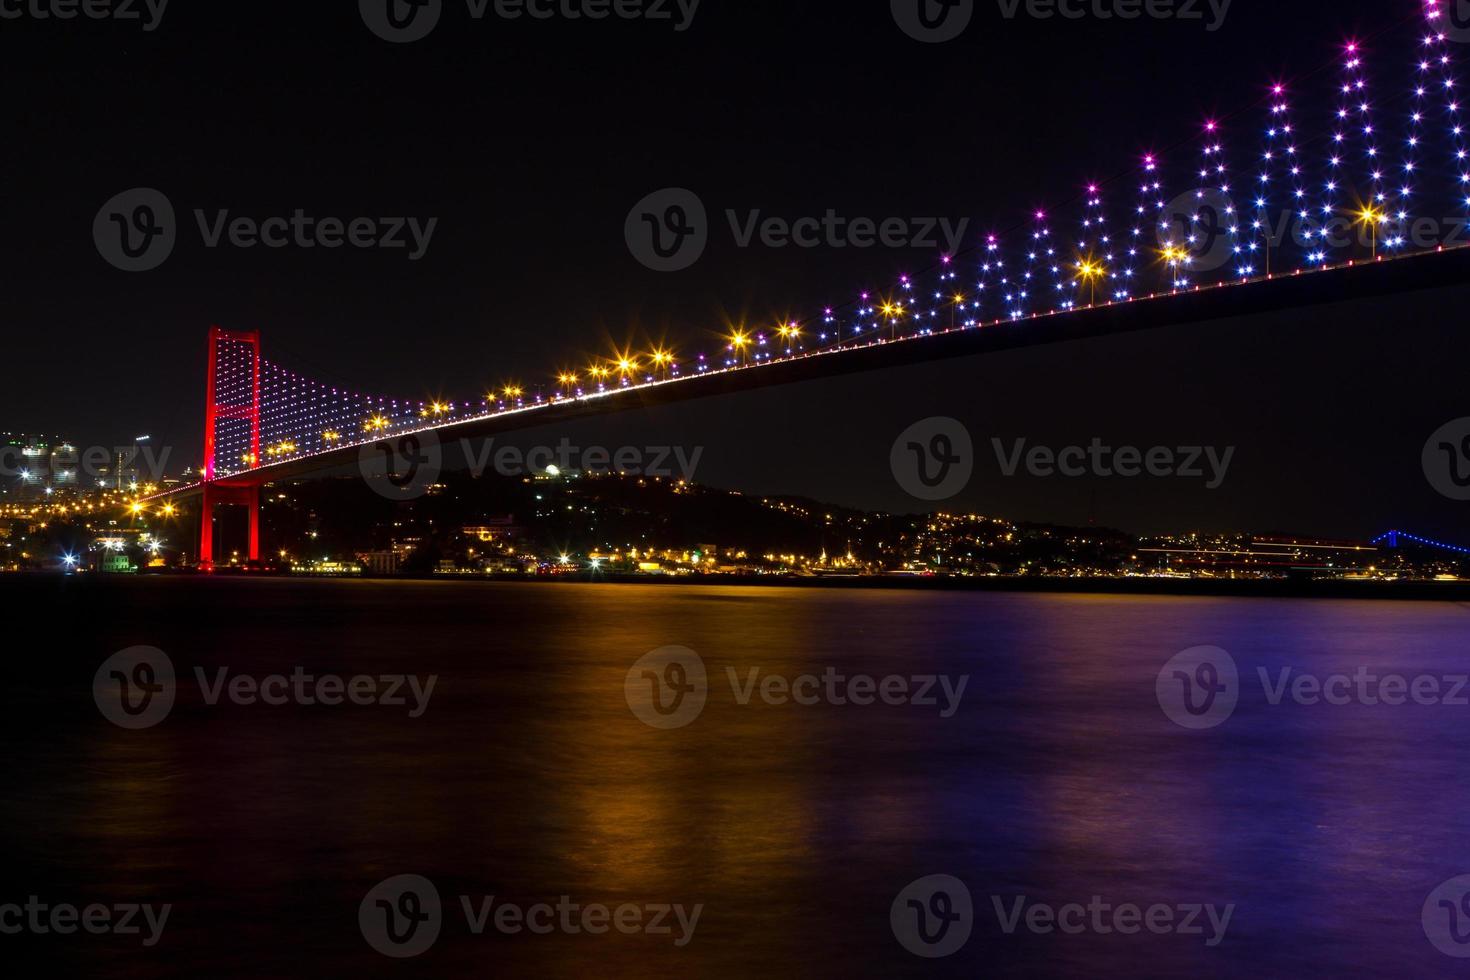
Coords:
530,141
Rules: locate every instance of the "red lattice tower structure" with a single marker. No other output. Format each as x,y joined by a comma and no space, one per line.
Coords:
231,423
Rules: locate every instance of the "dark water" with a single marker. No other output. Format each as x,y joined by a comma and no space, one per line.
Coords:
528,777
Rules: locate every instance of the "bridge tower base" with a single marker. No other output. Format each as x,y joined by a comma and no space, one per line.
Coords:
240,496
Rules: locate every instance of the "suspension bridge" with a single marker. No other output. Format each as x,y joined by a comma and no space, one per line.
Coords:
1337,185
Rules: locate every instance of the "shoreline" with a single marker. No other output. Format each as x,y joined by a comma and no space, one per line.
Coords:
1411,591
1224,588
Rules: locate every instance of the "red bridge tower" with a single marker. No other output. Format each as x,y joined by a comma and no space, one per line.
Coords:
233,396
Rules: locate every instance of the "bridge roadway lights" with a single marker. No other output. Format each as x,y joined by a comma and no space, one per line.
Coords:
241,496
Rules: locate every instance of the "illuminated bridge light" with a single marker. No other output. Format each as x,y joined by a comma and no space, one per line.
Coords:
1392,540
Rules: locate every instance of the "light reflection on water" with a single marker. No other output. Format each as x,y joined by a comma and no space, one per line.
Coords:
529,778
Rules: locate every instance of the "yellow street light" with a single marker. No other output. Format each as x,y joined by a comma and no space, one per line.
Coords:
739,341
894,313
1174,256
1372,218
959,301
1090,272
